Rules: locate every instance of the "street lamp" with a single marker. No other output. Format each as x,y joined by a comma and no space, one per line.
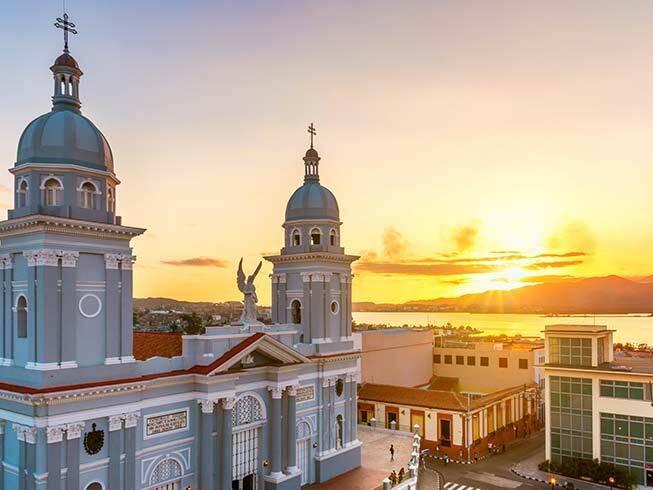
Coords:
611,482
553,481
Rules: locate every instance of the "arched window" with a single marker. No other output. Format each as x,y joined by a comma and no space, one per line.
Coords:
296,311
94,486
21,317
22,194
111,200
316,236
167,472
339,432
53,190
296,238
89,192
332,238
248,409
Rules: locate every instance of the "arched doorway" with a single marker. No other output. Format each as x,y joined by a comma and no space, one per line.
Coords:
167,475
304,450
247,417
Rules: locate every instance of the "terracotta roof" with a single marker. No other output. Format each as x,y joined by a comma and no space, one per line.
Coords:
151,344
444,400
228,355
443,383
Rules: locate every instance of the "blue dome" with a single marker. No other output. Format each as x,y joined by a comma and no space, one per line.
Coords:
312,201
64,136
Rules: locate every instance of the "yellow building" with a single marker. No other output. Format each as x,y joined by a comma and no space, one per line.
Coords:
598,406
485,367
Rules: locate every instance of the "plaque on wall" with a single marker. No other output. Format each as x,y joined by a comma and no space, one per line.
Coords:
305,393
93,441
167,422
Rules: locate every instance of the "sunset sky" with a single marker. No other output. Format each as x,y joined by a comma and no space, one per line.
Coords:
471,145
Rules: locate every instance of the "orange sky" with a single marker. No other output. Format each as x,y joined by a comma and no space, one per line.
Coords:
449,131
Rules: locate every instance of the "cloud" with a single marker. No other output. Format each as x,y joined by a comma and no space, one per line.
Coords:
417,269
574,235
548,279
552,265
563,255
197,262
455,282
464,237
394,244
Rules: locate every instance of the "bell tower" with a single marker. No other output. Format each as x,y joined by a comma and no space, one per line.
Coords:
311,279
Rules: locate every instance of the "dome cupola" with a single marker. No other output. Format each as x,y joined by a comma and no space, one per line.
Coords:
312,200
64,135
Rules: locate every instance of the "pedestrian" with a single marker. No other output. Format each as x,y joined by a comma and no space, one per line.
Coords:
475,455
392,452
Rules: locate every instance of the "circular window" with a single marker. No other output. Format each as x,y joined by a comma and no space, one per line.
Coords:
334,307
340,386
90,305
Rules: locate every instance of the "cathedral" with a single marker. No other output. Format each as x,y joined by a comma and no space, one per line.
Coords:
247,406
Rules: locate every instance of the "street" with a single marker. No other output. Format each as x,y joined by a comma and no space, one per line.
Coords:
489,474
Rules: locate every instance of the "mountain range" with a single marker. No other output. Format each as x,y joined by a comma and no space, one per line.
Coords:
610,294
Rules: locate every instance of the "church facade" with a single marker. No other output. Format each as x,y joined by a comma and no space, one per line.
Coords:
247,406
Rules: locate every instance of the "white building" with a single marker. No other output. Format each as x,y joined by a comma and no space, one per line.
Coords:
598,406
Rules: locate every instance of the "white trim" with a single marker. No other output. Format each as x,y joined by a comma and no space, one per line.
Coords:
45,178
42,366
165,445
337,307
292,234
111,360
99,305
26,167
93,482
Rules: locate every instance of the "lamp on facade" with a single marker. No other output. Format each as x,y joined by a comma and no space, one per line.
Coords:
611,481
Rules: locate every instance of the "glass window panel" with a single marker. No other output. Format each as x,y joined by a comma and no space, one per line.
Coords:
621,428
607,426
636,452
636,429
621,450
607,448
620,392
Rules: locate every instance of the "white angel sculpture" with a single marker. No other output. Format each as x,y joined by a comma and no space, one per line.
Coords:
248,289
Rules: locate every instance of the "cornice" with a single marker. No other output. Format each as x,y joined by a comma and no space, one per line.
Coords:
44,223
312,256
61,168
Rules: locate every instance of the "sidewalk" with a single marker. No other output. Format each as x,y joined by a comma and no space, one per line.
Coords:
528,469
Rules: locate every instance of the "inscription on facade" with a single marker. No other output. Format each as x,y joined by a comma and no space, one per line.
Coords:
168,422
305,393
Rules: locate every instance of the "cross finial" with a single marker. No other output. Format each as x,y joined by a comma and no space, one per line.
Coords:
312,132
67,27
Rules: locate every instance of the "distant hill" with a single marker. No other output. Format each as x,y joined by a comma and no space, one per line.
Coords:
175,304
611,294
647,280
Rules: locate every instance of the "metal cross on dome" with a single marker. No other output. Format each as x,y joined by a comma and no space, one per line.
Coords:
312,132
67,27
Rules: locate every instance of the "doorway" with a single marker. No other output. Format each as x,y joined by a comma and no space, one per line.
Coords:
417,417
445,432
246,483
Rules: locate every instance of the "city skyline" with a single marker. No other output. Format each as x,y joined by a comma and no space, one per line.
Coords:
468,151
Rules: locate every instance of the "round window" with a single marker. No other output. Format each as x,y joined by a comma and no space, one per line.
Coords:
90,305
334,307
340,386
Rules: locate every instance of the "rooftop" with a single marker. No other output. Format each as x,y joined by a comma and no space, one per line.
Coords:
444,400
153,344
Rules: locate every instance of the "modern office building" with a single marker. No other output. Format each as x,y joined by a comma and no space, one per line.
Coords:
598,406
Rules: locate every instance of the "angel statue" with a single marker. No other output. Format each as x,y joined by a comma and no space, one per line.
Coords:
248,317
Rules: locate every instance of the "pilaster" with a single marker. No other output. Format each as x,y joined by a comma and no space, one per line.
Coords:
115,429
275,431
54,436
126,309
291,429
73,437
131,423
6,263
226,453
69,324
112,310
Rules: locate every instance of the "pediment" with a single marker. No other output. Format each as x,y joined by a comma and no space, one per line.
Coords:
258,350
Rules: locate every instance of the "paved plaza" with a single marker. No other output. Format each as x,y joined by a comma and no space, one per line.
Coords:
375,460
